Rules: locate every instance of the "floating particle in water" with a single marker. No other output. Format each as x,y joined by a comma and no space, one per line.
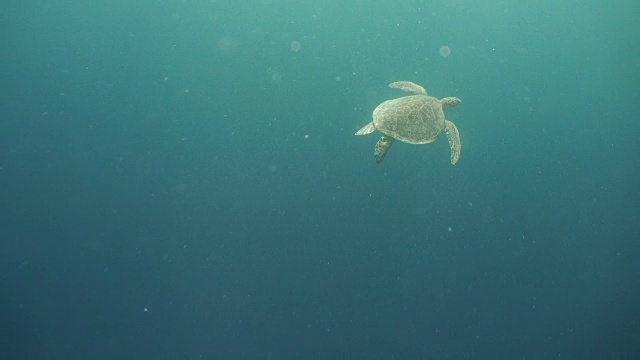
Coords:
295,46
273,75
228,45
445,51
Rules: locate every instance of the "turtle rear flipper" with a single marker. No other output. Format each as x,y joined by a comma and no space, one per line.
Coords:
382,148
367,129
454,140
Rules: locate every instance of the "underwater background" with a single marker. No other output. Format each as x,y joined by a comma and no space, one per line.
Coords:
181,180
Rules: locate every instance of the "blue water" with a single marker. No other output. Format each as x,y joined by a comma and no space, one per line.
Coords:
181,180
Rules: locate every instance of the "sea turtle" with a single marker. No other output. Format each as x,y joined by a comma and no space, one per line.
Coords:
414,119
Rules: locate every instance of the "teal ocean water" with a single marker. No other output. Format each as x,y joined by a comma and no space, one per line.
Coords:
181,180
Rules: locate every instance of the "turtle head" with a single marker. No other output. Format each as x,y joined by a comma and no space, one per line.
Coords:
449,102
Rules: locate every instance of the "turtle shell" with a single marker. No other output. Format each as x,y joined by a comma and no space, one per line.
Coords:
415,119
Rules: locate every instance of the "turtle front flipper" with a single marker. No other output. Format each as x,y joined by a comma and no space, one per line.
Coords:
382,148
408,86
454,140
